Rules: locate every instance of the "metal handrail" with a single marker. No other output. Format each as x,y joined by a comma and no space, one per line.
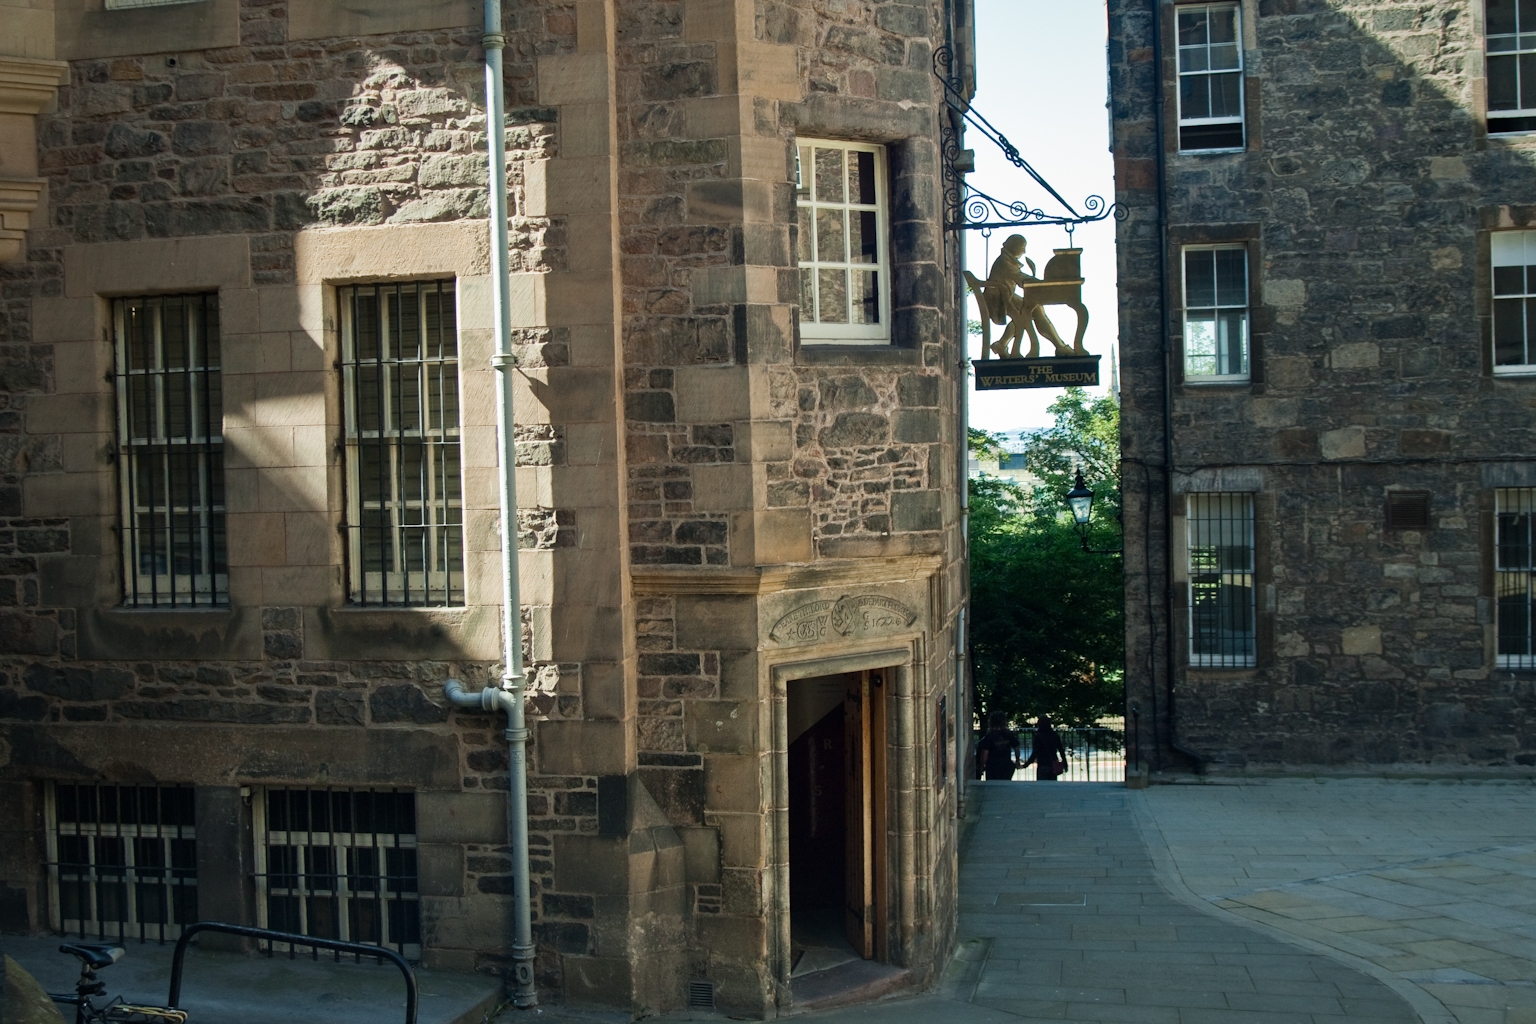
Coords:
173,998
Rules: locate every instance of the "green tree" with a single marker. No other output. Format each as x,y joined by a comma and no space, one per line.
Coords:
1047,631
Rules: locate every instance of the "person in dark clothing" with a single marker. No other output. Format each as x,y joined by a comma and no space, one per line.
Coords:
997,753
1048,754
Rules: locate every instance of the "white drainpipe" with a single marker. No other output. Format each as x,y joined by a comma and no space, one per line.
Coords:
509,697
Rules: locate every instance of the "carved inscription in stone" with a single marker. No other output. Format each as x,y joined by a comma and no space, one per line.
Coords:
864,615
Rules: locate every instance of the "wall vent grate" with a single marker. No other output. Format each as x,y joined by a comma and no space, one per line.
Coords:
701,995
1408,510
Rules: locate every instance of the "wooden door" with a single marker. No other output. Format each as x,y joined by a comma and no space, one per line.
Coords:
858,886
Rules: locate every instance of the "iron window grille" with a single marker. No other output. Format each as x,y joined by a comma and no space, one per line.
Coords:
1221,591
1210,77
844,269
404,529
1511,66
1216,313
1514,301
339,864
1513,567
122,860
170,428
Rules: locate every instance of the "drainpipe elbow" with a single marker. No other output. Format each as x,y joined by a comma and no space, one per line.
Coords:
486,700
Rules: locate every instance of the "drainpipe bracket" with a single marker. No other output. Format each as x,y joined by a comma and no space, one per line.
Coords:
504,360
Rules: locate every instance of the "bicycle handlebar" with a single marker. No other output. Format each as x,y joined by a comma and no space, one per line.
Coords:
298,940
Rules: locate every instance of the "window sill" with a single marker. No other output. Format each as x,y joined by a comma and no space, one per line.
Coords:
1515,370
1206,382
816,353
1213,152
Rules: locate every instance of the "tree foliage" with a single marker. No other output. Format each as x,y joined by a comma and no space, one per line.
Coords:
1047,633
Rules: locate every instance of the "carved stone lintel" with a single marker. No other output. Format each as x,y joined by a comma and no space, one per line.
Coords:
27,86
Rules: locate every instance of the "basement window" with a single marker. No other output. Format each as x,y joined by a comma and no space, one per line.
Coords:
122,860
339,864
1513,568
845,279
1511,66
1210,77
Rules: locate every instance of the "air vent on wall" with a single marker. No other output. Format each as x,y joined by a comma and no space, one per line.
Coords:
1408,510
701,995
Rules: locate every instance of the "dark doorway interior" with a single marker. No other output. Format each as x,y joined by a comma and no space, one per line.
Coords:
836,820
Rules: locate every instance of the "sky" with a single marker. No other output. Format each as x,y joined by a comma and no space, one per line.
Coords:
1040,80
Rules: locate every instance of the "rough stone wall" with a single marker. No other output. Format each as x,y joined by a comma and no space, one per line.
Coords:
1369,186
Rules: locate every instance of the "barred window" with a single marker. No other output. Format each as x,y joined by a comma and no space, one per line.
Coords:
1511,65
1513,569
122,860
340,864
405,533
1216,313
1514,301
1210,77
170,427
844,270
1221,598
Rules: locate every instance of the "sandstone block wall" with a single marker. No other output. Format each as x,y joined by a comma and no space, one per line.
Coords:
1366,195
669,423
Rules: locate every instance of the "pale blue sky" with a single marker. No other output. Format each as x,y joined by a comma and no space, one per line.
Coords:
1041,81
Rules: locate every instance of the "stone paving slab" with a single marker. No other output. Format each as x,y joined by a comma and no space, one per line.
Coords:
1430,885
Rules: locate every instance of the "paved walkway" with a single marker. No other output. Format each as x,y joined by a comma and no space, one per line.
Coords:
1429,885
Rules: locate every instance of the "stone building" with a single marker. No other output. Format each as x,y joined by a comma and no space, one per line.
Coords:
249,490
1328,379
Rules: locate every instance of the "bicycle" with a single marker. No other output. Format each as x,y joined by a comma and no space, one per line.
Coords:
93,957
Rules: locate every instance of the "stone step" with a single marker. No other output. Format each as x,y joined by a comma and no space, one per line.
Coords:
858,981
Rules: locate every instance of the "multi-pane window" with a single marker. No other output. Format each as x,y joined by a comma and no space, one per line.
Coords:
1511,40
1221,593
1513,568
170,429
844,276
1210,77
339,864
405,529
1514,301
122,860
1216,313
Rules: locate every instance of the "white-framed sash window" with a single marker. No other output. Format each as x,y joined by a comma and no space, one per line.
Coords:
1216,313
1210,77
1514,301
845,279
1511,65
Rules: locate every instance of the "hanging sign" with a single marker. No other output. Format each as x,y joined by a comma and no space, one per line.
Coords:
1015,299
1050,372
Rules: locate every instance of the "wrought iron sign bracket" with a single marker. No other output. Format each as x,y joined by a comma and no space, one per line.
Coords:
967,208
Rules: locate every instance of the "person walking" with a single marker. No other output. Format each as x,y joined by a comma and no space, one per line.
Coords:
1047,753
997,753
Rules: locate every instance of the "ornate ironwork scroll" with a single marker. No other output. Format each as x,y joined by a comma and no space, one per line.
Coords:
970,209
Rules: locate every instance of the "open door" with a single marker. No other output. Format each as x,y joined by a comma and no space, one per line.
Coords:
864,741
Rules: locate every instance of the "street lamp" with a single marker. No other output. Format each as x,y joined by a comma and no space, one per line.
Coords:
1080,501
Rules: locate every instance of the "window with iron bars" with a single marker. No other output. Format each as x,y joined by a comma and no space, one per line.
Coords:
170,429
405,532
122,860
1513,569
1511,65
340,864
1221,596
